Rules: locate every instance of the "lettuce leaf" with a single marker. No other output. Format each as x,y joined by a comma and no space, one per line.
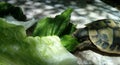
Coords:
16,48
60,25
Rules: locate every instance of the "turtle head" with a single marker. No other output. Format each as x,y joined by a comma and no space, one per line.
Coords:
81,34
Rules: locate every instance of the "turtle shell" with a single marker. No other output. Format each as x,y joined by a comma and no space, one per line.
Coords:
105,35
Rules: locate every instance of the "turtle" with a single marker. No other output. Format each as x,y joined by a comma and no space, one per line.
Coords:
102,36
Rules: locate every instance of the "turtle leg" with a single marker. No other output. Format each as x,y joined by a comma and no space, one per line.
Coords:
87,45
84,45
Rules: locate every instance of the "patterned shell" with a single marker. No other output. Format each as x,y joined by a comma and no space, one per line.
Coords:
105,35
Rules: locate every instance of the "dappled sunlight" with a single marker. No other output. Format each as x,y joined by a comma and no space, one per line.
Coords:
84,11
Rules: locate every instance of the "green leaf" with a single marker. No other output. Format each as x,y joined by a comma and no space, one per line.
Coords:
54,26
60,26
69,42
18,49
44,27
